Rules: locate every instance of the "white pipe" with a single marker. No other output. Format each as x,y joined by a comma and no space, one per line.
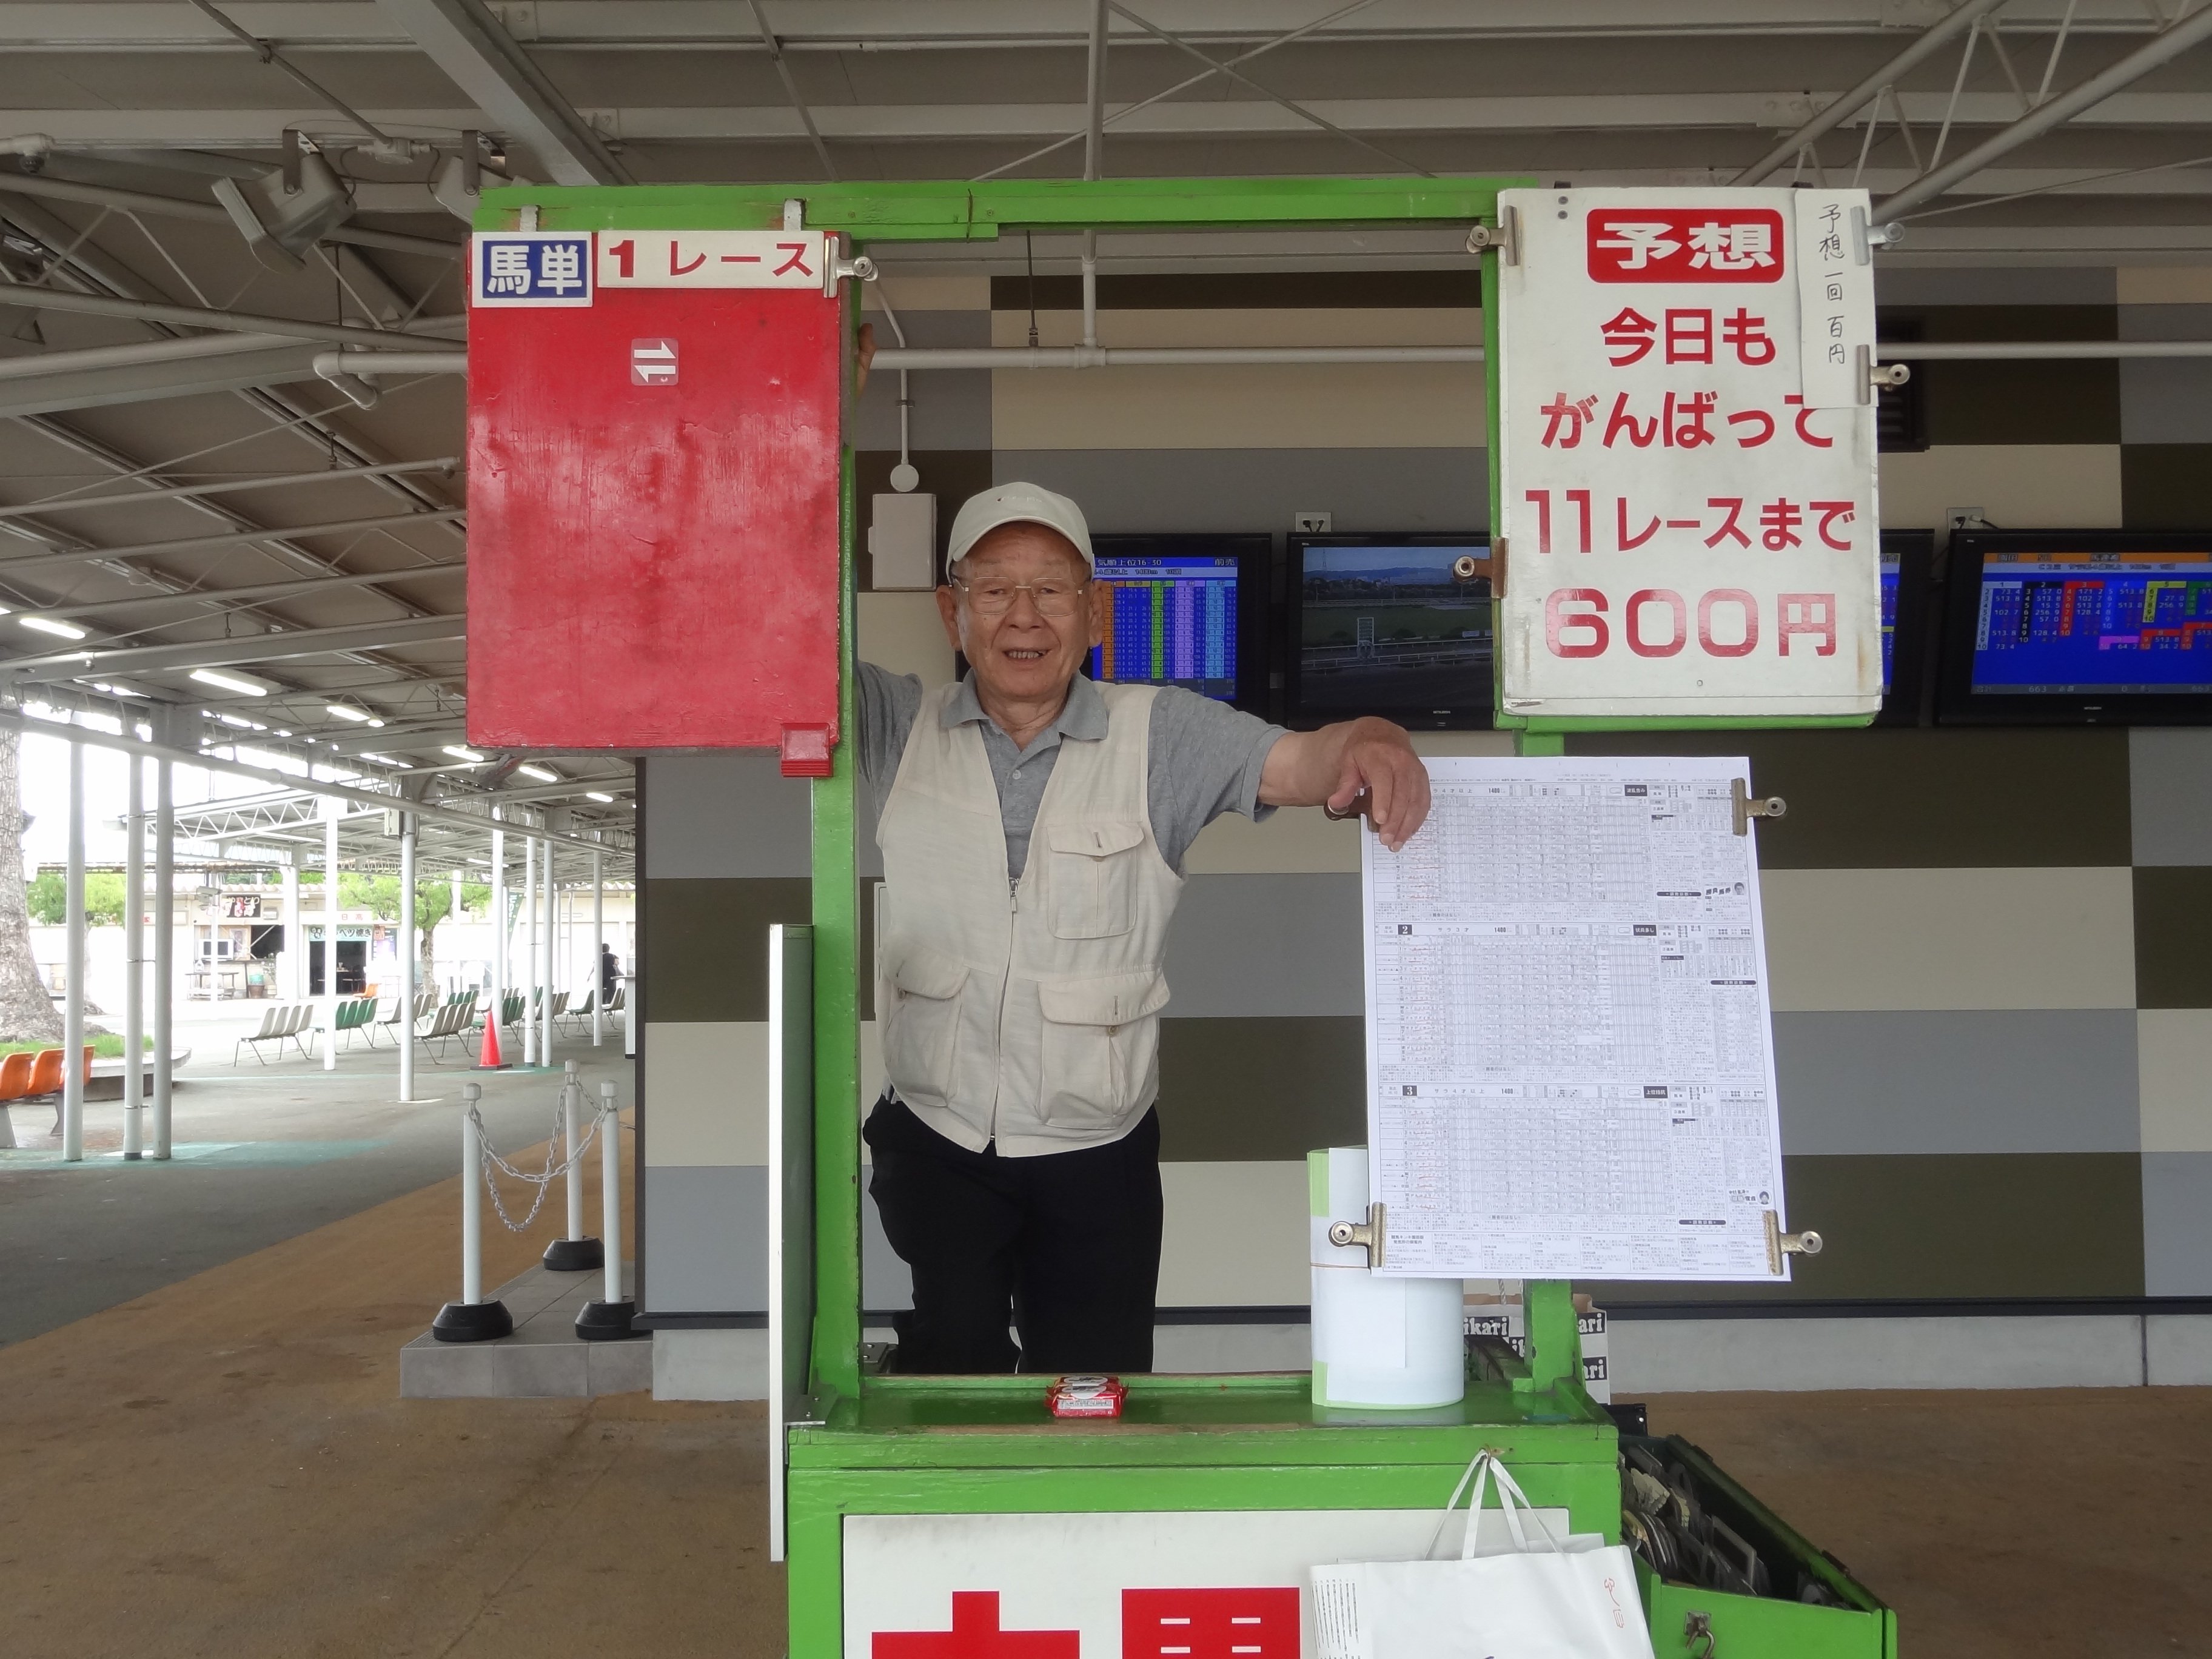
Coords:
330,935
73,1001
165,946
545,994
405,1026
37,364
296,938
530,1055
598,944
572,1113
134,957
1090,289
611,1245
1163,356
333,364
498,924
1968,351
27,143
471,1197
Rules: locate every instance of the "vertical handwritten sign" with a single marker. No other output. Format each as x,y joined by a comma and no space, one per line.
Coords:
1687,477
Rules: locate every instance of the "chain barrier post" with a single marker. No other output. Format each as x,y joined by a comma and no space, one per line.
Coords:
610,1320
471,1319
577,1253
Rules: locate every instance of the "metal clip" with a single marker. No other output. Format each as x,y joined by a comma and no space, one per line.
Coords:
1367,1234
1698,1627
1866,237
836,268
1888,374
1779,1244
1504,236
1746,806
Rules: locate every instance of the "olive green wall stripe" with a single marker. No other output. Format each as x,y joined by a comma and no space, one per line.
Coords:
1272,291
2173,923
2163,486
1922,799
1955,1225
706,944
1258,1089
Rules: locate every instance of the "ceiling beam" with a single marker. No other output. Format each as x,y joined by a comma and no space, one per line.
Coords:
294,328
466,41
241,650
237,596
24,390
240,538
207,213
445,464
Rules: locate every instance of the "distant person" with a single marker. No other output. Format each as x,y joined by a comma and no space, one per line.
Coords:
609,971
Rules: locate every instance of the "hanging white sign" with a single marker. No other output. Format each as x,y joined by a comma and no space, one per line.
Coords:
1686,455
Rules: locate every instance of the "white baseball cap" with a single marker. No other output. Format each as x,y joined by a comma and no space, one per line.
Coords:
1018,503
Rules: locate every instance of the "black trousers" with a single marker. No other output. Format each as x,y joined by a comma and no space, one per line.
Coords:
1065,1248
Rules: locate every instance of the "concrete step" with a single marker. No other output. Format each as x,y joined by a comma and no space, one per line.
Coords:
544,1359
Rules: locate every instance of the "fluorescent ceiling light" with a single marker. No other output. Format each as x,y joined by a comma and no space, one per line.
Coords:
541,773
468,755
346,711
594,794
385,760
49,625
233,720
230,682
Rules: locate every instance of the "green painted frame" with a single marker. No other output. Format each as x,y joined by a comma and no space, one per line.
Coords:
1189,1444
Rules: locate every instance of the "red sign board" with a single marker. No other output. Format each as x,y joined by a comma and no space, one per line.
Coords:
1686,244
654,521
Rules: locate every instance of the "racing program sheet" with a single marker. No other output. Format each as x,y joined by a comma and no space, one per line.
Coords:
1570,1057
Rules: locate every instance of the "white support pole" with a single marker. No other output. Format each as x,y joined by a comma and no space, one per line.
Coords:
545,996
331,806
498,920
471,1197
134,958
295,937
407,966
73,1003
598,944
165,943
610,1190
530,1054
572,1115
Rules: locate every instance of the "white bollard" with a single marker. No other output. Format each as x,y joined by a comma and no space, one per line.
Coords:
576,1253
609,1320
471,1319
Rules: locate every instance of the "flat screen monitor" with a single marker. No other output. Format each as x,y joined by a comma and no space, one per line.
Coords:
1186,610
1907,558
1391,625
2094,627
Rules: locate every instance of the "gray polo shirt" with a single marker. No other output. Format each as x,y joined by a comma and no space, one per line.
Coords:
1205,755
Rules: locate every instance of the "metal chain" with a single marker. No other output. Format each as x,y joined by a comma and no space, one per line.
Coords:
542,1180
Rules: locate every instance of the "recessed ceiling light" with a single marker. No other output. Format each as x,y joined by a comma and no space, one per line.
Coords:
541,773
595,794
49,625
230,682
468,755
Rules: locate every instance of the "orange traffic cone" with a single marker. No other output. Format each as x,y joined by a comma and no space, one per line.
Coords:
487,1058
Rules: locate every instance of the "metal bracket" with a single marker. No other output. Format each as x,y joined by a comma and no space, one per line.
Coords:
1888,374
1504,236
1368,1234
1779,1244
1698,1627
1745,806
836,268
1865,237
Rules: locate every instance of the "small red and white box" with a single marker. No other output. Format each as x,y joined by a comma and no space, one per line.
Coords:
1086,1396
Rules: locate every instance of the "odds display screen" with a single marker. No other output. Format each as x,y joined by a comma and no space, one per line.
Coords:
2065,622
1890,571
1171,619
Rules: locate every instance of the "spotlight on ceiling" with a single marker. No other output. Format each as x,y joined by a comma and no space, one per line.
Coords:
288,212
230,682
51,625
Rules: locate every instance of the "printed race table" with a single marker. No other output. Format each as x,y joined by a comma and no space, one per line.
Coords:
951,1517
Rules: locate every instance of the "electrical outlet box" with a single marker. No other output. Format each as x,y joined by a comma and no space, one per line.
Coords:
1310,523
902,542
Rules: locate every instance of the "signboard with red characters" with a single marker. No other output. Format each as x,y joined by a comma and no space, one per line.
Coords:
1157,1585
1686,455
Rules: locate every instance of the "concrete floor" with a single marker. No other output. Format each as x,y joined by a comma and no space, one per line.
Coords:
217,1462
262,1153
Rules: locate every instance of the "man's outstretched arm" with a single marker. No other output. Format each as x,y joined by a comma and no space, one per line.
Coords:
1340,764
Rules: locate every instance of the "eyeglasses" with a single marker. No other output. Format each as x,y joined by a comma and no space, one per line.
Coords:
1057,598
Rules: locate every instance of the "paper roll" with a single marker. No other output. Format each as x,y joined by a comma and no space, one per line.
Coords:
1377,1341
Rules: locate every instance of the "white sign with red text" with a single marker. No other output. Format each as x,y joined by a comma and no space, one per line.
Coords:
1170,1584
1687,512
712,258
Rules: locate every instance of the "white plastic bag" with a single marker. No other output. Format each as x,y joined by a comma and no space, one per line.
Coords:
1570,1600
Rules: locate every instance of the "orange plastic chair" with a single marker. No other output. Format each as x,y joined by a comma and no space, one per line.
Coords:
16,1074
46,1072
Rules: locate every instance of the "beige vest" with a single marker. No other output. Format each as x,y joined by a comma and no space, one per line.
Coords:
1025,1013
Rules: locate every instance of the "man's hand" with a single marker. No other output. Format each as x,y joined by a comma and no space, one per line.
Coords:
1366,766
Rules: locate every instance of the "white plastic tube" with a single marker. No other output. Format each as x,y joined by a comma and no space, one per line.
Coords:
1377,1341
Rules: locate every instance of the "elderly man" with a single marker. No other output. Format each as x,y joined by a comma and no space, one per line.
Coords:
1033,828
